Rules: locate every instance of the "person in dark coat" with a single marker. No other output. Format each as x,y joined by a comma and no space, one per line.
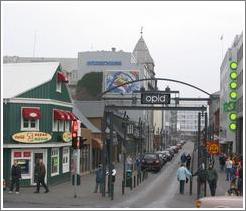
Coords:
99,178
202,178
39,175
222,162
188,160
15,177
212,178
183,158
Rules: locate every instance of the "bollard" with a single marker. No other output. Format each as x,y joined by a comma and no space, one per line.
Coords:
112,191
134,181
123,187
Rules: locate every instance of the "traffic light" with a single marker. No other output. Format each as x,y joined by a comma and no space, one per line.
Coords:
233,95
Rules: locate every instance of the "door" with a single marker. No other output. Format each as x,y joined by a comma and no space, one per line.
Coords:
37,155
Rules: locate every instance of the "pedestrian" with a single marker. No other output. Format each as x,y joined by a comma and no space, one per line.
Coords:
138,164
222,162
202,179
240,179
99,178
188,160
40,172
228,165
212,178
182,174
183,158
15,177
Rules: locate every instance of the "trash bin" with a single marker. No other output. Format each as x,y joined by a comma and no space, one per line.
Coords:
129,178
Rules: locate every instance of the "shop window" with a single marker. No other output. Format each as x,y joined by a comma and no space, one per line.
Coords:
55,161
55,125
65,160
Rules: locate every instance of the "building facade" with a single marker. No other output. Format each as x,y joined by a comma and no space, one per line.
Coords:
37,113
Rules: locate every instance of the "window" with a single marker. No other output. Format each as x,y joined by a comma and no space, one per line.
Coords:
61,125
55,125
67,126
65,160
55,161
58,86
29,124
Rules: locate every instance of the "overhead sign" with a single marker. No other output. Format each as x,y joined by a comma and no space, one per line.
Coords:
31,137
155,98
213,147
67,136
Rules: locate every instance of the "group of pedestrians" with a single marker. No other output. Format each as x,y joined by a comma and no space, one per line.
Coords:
39,176
233,166
186,159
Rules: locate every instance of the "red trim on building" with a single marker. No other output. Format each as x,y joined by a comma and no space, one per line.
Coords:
27,154
59,115
31,113
73,117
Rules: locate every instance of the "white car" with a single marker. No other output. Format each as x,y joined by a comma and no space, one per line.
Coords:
220,202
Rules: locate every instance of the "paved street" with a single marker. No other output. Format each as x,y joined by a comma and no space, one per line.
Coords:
160,190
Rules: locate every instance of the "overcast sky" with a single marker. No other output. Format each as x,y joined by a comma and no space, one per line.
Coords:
183,37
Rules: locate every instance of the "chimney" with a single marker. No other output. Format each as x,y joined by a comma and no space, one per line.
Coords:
113,49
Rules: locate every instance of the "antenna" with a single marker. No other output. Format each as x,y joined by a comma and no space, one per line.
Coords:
34,44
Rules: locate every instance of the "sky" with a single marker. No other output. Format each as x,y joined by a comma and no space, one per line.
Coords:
183,37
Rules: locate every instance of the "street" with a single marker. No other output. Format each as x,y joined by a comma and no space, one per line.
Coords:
158,190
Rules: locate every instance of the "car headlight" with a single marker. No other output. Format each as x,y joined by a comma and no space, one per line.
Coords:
198,203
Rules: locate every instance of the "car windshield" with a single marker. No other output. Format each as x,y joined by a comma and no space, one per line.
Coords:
150,156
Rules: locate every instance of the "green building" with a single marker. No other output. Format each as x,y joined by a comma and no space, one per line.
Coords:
37,114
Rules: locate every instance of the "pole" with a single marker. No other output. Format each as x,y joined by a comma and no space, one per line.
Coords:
104,156
198,151
110,155
124,158
75,173
205,151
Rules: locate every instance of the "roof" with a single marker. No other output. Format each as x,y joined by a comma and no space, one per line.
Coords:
91,108
22,77
141,52
84,120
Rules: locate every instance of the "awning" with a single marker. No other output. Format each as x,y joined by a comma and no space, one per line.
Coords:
67,116
59,115
97,143
61,77
72,116
31,113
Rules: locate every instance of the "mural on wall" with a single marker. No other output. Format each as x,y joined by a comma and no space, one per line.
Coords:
116,78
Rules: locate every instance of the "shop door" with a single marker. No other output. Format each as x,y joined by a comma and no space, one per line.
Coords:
37,155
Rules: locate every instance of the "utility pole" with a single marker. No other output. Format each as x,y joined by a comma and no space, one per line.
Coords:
204,148
110,155
199,152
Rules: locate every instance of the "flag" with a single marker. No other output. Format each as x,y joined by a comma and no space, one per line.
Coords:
221,37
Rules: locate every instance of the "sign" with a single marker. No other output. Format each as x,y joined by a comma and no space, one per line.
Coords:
213,147
67,136
27,154
155,98
31,137
17,154
104,63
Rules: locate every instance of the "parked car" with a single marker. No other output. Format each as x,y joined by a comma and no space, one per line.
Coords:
163,156
151,161
182,142
175,148
179,146
220,202
171,151
168,155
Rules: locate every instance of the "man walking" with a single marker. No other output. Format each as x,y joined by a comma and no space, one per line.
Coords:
182,174
212,178
222,162
183,158
16,175
188,160
99,178
228,169
40,175
202,179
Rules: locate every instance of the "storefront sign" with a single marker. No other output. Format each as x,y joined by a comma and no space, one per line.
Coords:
27,154
155,98
17,154
31,137
67,136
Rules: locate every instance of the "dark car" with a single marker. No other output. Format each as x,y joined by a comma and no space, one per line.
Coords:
151,162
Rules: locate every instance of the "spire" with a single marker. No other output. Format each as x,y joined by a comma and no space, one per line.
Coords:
141,32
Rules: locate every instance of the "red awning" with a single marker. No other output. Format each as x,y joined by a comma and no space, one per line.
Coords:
31,113
59,115
72,116
67,116
61,77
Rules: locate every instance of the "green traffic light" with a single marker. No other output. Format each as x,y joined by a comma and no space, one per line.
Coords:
233,75
233,95
233,116
233,85
233,126
233,65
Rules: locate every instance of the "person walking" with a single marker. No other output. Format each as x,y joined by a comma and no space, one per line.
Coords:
188,160
182,174
228,169
40,175
222,162
15,177
212,178
99,178
183,158
202,179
